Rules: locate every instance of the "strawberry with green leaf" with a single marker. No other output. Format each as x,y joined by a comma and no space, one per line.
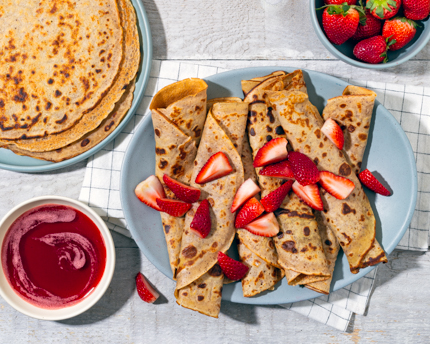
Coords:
372,50
340,22
400,31
384,9
369,27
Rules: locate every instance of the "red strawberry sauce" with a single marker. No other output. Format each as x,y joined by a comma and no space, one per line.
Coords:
53,256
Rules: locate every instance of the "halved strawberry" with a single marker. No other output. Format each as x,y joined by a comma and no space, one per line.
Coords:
273,200
149,190
273,151
201,224
335,134
265,225
304,169
216,167
280,170
183,192
247,190
173,207
250,211
145,290
368,179
309,194
336,186
232,269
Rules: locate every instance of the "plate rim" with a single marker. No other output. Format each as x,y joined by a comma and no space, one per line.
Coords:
144,70
338,284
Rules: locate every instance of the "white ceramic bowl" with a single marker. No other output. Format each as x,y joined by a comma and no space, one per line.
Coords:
26,308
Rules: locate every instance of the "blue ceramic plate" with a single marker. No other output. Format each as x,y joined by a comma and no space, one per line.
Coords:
344,51
13,162
387,146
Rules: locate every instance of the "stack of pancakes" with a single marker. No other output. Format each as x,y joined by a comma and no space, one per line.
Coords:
67,74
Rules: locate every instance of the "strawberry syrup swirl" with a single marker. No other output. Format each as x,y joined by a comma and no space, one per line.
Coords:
72,250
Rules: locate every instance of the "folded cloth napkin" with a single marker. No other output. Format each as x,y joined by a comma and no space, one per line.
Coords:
410,105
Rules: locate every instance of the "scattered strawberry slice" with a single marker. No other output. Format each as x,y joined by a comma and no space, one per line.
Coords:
149,191
173,207
145,290
304,169
383,9
368,179
232,269
247,190
309,194
336,186
250,211
273,200
273,151
332,130
265,225
416,9
216,167
399,32
201,224
280,170
183,192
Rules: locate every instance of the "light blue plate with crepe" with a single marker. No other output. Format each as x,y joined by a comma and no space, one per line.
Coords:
13,162
388,152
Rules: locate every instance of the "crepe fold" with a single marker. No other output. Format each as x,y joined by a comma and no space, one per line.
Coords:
351,219
353,112
298,245
223,131
178,115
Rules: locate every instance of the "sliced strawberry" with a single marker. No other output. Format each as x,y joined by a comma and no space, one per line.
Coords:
246,191
304,169
183,192
265,225
309,194
280,170
145,290
273,151
273,200
368,179
173,207
335,134
336,186
232,269
201,224
250,211
149,190
216,167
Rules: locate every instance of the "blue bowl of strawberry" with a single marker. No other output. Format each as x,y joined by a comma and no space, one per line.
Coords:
373,34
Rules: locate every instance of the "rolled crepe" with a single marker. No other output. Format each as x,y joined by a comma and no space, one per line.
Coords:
199,255
178,115
351,219
298,245
353,112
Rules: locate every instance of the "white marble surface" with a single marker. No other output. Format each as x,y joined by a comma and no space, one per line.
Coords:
268,32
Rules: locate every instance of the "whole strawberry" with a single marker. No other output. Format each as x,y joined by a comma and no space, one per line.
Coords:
340,23
399,32
372,27
372,50
416,9
384,9
340,2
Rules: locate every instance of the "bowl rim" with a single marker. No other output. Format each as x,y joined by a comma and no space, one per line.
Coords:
419,45
87,302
